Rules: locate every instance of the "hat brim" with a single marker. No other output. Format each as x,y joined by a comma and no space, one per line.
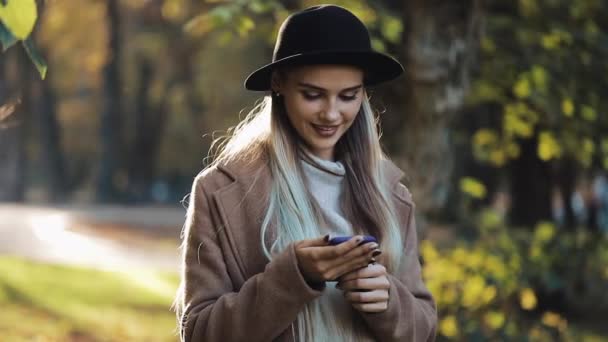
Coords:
377,67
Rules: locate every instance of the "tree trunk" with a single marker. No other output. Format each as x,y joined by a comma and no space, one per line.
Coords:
530,187
439,45
45,104
111,116
149,123
13,124
566,181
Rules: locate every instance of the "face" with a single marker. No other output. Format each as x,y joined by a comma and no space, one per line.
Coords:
322,101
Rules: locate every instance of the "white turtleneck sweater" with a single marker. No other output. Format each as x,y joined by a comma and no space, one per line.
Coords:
326,184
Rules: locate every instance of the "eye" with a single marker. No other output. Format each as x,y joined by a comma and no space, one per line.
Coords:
311,95
345,97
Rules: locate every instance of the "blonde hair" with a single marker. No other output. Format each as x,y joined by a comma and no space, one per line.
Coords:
267,131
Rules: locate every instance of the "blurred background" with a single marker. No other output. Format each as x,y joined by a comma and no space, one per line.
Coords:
108,109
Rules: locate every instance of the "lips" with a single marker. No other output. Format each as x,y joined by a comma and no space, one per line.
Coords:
325,131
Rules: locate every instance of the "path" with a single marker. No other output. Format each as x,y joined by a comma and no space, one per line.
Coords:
106,237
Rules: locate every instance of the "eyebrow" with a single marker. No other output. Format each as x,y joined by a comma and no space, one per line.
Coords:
308,85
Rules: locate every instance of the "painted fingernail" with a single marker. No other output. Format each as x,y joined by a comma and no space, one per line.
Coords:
372,246
372,260
376,253
326,238
358,239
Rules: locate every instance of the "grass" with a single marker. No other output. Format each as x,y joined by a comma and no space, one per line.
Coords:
43,302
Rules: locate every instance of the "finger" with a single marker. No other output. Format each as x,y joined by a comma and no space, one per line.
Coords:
364,251
371,271
377,283
337,251
317,242
367,296
371,307
350,265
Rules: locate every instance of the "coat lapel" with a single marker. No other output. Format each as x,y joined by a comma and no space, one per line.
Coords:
242,206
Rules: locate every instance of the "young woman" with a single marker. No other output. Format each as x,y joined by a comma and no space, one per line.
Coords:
305,165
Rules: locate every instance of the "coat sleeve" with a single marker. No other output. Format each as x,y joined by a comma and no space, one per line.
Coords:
213,309
411,314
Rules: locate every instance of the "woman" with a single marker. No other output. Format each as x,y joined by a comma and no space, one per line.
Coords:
304,165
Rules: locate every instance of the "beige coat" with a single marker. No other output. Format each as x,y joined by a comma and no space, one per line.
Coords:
232,293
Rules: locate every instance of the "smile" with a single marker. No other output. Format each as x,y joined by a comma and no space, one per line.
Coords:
325,131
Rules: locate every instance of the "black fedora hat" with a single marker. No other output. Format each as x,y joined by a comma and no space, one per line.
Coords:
326,34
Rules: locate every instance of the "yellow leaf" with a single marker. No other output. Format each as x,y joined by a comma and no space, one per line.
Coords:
473,187
200,25
539,76
544,232
512,150
174,10
522,88
528,7
19,16
498,157
494,319
568,107
484,137
448,327
550,41
527,299
428,251
588,113
449,296
488,294
551,319
473,289
245,25
519,120
588,146
548,147
378,45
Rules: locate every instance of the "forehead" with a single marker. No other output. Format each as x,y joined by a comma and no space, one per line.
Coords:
326,76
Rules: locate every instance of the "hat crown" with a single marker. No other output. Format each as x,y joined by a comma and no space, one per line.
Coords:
320,29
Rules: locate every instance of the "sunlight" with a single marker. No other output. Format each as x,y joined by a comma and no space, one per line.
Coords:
66,246
152,281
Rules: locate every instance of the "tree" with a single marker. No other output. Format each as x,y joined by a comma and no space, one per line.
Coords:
438,46
111,134
538,66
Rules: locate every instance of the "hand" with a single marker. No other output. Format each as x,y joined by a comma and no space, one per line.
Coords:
320,262
374,283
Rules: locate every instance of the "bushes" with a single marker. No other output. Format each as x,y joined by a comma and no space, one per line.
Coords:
512,283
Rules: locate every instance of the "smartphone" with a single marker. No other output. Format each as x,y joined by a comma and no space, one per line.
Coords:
340,239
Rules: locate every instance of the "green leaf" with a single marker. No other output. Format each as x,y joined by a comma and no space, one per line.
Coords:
19,16
35,57
392,29
6,37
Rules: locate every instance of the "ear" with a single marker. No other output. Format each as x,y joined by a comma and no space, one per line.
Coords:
276,82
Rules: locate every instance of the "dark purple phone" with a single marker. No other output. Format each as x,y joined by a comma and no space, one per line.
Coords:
340,239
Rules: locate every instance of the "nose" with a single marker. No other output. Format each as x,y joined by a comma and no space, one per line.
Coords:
331,112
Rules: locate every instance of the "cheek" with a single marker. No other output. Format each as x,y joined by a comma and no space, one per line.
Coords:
301,110
351,113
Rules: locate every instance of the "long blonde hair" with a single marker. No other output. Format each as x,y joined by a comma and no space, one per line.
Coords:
266,130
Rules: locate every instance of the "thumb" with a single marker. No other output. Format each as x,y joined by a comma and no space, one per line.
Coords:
316,242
